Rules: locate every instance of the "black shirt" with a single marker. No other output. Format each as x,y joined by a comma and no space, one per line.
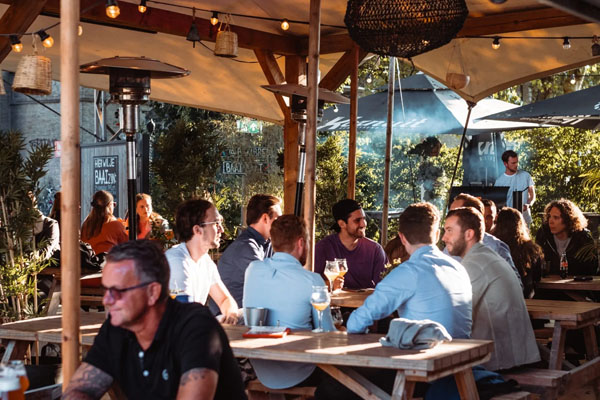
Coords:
188,336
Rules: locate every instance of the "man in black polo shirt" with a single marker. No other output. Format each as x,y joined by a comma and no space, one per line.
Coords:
152,346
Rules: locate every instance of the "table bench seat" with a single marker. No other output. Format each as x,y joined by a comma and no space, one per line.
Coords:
550,383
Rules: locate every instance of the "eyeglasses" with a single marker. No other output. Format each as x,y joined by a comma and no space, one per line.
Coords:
217,222
117,293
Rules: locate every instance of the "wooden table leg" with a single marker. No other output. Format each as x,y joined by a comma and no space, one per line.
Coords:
403,389
356,382
558,346
591,346
465,381
15,350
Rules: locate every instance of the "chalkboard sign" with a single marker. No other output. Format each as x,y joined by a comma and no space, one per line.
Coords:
106,176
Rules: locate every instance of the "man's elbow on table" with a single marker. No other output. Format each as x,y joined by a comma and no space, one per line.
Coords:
356,324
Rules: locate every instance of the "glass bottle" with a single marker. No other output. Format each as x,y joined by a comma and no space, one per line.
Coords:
564,266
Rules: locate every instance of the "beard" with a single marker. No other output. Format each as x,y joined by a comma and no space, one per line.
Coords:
458,247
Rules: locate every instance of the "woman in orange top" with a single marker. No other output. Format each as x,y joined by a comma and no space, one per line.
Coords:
101,229
148,220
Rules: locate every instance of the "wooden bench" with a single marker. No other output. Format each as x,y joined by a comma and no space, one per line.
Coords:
257,390
549,383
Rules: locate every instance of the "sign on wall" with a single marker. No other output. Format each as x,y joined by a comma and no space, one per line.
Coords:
106,175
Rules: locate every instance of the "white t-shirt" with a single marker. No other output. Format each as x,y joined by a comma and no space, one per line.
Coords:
194,278
520,181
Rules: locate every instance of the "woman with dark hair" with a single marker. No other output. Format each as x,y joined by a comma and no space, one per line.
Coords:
528,257
564,231
101,229
148,220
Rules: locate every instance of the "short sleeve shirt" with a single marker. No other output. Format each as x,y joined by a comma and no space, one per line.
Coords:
520,181
188,337
193,278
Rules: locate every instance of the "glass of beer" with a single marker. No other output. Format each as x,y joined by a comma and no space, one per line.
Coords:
331,272
320,301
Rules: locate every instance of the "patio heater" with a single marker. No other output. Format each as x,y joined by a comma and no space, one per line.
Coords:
130,87
298,94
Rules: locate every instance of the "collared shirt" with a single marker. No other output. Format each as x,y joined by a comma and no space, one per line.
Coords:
188,337
366,261
430,285
499,311
500,248
520,181
193,278
281,285
249,246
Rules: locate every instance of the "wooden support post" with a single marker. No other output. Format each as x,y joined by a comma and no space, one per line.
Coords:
294,69
388,150
353,115
71,185
314,32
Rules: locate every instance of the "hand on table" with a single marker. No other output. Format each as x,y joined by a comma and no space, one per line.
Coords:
230,317
338,283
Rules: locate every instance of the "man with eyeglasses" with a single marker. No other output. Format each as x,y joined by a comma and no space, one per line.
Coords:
199,227
150,345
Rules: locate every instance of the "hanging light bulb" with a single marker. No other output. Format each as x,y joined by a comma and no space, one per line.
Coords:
566,43
142,7
285,24
215,18
369,78
496,43
16,44
335,108
573,80
79,30
46,39
112,9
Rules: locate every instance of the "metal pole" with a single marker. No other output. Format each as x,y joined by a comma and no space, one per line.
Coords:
71,186
314,38
388,150
130,127
301,168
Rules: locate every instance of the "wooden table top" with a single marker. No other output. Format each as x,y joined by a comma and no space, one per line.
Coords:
350,298
557,283
337,348
577,311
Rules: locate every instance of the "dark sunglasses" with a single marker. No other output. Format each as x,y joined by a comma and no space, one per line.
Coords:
117,293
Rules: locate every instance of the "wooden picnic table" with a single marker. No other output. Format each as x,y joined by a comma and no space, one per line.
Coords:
572,288
334,352
350,298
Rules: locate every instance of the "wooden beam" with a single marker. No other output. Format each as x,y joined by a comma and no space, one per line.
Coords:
539,18
294,69
341,70
582,9
274,76
163,21
18,18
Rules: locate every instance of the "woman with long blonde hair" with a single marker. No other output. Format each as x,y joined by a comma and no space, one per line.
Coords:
101,229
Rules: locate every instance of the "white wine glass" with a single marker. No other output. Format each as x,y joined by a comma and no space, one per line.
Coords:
331,272
320,301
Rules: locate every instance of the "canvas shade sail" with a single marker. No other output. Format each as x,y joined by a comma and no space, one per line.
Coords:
429,109
579,109
226,85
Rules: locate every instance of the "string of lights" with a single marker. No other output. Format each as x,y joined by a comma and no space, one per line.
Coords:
113,11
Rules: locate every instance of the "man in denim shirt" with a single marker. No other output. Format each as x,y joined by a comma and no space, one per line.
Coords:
251,245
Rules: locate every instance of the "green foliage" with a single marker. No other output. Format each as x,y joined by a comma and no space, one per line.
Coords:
19,185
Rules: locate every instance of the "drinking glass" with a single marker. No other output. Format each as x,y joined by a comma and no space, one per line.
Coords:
342,266
320,301
337,317
331,272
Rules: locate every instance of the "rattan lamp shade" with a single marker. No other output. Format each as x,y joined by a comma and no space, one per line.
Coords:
34,75
404,28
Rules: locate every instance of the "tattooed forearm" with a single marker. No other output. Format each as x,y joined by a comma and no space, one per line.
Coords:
194,375
88,382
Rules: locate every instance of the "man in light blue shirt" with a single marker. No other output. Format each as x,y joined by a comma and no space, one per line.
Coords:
517,180
284,287
430,285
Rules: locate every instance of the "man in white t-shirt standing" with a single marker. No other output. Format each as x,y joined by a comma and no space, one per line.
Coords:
517,180
199,228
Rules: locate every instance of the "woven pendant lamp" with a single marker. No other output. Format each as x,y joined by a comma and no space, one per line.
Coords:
226,44
404,28
34,74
